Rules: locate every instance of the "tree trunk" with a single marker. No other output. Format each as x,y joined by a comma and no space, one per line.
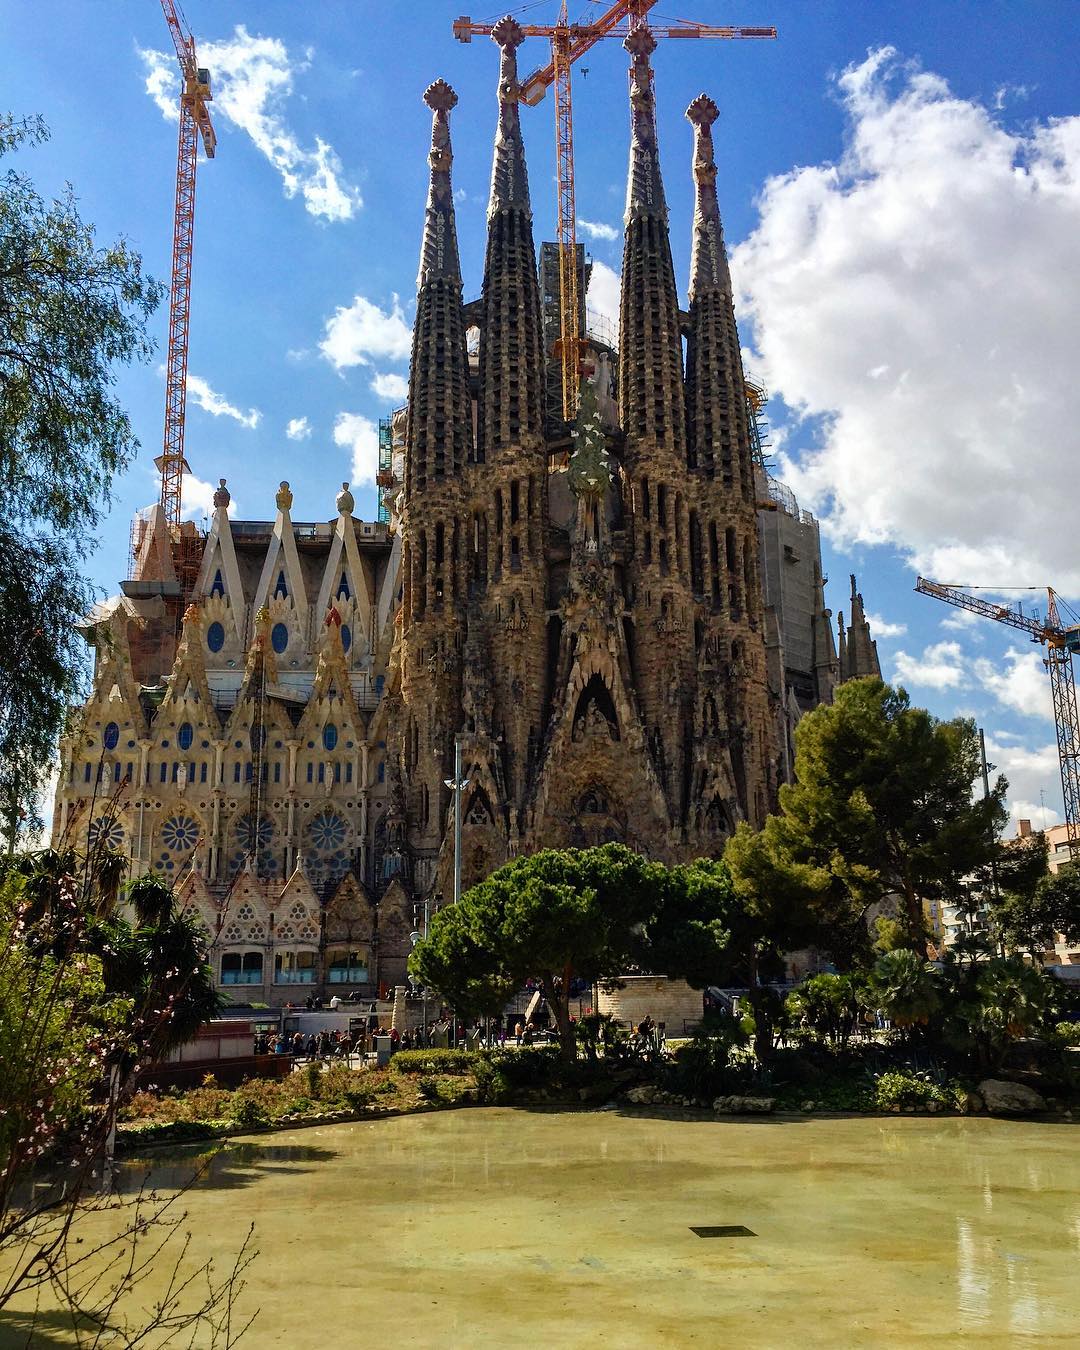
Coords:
559,1003
762,1026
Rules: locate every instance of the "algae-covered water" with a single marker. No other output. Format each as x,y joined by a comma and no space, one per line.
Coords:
511,1228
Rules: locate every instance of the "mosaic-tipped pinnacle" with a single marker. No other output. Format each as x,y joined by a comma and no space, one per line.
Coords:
640,41
508,32
703,112
440,97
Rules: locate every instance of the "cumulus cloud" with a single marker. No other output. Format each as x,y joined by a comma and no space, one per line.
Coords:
298,429
217,406
360,436
882,628
252,81
1034,776
1022,683
390,386
597,230
602,299
941,666
934,265
198,498
358,333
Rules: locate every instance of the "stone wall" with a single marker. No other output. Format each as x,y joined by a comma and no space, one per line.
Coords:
672,1002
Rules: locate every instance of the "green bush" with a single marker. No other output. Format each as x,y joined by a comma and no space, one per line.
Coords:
898,1088
434,1061
529,1067
707,1067
1067,1033
428,1088
249,1115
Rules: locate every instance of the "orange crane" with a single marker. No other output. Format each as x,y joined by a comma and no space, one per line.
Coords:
194,123
568,42
1061,642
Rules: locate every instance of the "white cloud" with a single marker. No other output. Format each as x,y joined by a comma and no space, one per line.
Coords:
361,331
882,628
1034,775
390,386
212,402
597,230
1022,683
963,621
938,253
298,429
252,79
941,666
198,497
360,435
602,298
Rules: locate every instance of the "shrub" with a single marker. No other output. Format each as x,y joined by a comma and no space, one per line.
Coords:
531,1066
434,1061
1067,1033
898,1088
249,1115
706,1067
313,1077
428,1088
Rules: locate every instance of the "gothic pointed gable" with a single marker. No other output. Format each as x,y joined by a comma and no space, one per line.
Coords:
331,699
281,576
153,558
187,683
347,583
219,572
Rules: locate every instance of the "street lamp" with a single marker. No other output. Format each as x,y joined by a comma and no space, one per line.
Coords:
457,786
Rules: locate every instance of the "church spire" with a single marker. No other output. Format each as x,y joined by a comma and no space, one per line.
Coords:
439,252
509,179
651,406
718,439
510,403
439,419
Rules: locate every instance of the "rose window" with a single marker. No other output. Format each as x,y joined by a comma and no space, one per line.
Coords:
245,913
180,834
246,841
105,834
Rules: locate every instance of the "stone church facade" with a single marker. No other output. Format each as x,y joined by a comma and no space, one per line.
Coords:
275,705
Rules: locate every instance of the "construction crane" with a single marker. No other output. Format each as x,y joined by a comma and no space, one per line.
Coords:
194,124
568,42
1061,642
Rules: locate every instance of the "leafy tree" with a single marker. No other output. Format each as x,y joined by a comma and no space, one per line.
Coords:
830,1006
70,312
883,803
906,987
1030,919
778,905
557,916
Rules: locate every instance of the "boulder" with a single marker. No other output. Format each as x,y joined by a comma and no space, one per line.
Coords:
740,1106
973,1103
1010,1099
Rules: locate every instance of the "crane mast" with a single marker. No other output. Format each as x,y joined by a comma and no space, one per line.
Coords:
195,124
1061,642
568,42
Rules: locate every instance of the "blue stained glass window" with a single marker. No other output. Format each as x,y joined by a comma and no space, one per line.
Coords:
110,737
218,588
215,636
346,637
281,589
329,736
343,589
379,681
185,735
279,637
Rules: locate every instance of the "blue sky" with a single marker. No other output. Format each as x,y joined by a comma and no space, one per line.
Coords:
900,187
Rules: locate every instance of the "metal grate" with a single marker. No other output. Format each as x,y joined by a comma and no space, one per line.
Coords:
722,1230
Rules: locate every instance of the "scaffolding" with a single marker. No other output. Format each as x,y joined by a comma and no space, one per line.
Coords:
756,398
385,478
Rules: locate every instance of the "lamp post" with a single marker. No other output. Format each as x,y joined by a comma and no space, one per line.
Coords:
457,786
414,938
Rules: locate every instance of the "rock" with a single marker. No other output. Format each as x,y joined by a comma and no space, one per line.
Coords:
973,1103
739,1106
1010,1099
808,1106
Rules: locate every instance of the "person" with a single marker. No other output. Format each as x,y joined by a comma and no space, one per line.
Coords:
529,1034
518,1032
298,1044
311,1046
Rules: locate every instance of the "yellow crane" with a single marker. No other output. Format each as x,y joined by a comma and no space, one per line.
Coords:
1061,642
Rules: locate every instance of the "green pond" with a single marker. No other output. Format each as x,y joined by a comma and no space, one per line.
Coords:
512,1228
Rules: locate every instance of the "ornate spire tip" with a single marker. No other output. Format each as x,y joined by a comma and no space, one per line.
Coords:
508,32
703,112
640,41
440,97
